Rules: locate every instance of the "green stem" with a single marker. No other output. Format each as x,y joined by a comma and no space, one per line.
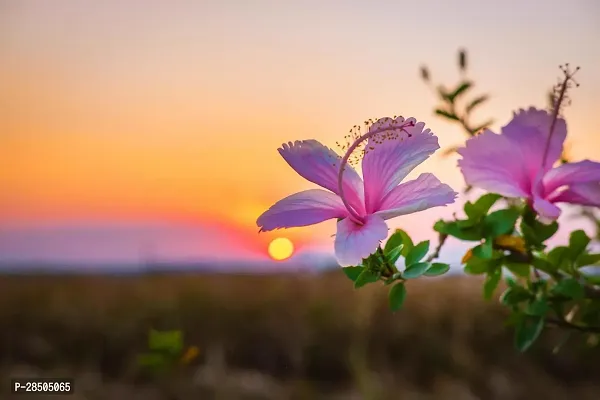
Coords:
389,269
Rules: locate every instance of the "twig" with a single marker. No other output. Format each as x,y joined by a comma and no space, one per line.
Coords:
575,327
436,253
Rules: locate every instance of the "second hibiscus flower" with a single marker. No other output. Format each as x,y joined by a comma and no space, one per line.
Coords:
519,162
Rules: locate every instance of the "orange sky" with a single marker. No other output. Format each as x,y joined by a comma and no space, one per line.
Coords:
156,111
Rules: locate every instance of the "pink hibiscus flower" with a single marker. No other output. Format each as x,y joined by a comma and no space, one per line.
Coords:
519,163
393,148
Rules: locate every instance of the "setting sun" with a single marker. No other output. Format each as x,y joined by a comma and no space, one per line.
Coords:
281,248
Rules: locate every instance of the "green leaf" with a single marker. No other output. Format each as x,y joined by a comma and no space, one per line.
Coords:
441,226
536,232
569,287
398,238
453,229
527,331
394,255
482,205
538,307
397,295
478,266
510,281
578,242
500,222
558,257
529,234
491,282
373,262
462,88
545,232
586,260
168,341
474,103
366,276
393,242
593,279
437,269
417,253
519,269
484,250
446,114
538,285
415,270
466,223
353,272
515,295
543,265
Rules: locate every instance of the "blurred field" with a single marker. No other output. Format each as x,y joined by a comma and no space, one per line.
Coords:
280,337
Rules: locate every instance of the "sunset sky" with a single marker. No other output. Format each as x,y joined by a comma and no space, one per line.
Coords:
132,129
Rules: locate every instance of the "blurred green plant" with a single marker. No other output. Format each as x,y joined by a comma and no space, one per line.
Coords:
454,103
545,287
381,266
454,106
166,353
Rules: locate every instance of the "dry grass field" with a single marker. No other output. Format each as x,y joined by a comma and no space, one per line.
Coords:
280,337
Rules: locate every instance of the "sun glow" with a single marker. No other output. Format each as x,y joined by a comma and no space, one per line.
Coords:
281,248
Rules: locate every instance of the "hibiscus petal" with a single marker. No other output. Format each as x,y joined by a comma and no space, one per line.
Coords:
417,195
546,210
585,194
302,209
354,242
572,173
319,164
529,130
392,155
487,163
